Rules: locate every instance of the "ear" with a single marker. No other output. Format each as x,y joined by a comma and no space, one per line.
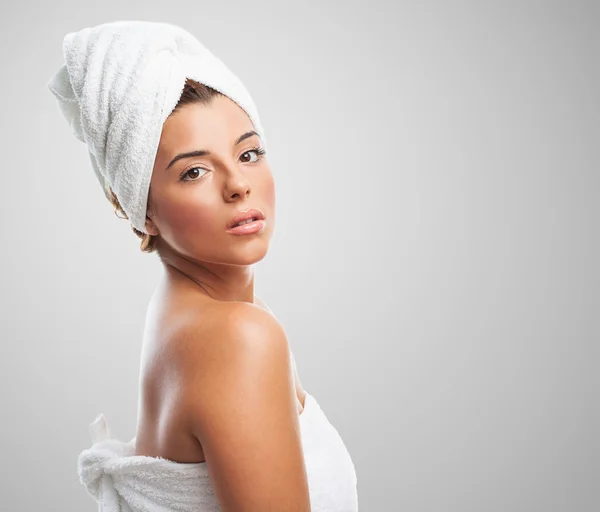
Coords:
151,227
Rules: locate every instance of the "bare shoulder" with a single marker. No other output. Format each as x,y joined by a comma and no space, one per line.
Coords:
225,328
240,404
233,340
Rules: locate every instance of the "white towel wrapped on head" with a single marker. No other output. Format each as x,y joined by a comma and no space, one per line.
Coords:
120,82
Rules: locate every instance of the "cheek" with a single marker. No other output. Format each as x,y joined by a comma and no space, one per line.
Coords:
188,216
270,192
196,218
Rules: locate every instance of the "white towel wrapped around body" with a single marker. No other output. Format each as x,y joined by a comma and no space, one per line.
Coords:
121,481
120,82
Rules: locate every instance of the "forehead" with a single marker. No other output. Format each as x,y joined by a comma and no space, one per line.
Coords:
218,123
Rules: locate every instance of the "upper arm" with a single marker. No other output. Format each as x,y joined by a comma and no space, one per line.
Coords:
294,367
242,409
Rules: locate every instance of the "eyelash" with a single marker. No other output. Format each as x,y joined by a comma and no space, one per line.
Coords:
260,151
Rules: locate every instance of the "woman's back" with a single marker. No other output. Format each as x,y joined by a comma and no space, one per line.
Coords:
217,383
162,427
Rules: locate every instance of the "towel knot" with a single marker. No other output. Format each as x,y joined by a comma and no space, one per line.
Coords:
98,464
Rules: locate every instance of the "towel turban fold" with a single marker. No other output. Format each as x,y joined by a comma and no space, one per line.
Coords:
119,83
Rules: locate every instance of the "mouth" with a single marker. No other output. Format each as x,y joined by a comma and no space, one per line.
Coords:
249,227
246,217
242,222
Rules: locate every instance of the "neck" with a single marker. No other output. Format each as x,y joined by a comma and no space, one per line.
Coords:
219,281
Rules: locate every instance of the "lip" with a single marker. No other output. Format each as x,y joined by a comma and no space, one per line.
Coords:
249,228
244,215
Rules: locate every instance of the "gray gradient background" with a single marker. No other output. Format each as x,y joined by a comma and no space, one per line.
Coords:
435,260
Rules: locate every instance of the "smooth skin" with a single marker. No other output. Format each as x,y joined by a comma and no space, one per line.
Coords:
218,383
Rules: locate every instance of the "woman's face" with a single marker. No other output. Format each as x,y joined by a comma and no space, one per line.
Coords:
193,199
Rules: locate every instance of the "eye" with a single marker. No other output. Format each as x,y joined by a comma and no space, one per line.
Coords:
188,171
259,152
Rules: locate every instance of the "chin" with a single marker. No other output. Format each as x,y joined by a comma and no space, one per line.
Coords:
249,256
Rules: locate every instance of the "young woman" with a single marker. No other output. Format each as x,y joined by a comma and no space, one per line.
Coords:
223,421
217,378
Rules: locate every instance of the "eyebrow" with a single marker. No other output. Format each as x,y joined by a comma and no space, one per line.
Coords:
202,152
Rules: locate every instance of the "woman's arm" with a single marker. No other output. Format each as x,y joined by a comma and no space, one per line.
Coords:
300,393
242,409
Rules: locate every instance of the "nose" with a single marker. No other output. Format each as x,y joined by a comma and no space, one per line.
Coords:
237,184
